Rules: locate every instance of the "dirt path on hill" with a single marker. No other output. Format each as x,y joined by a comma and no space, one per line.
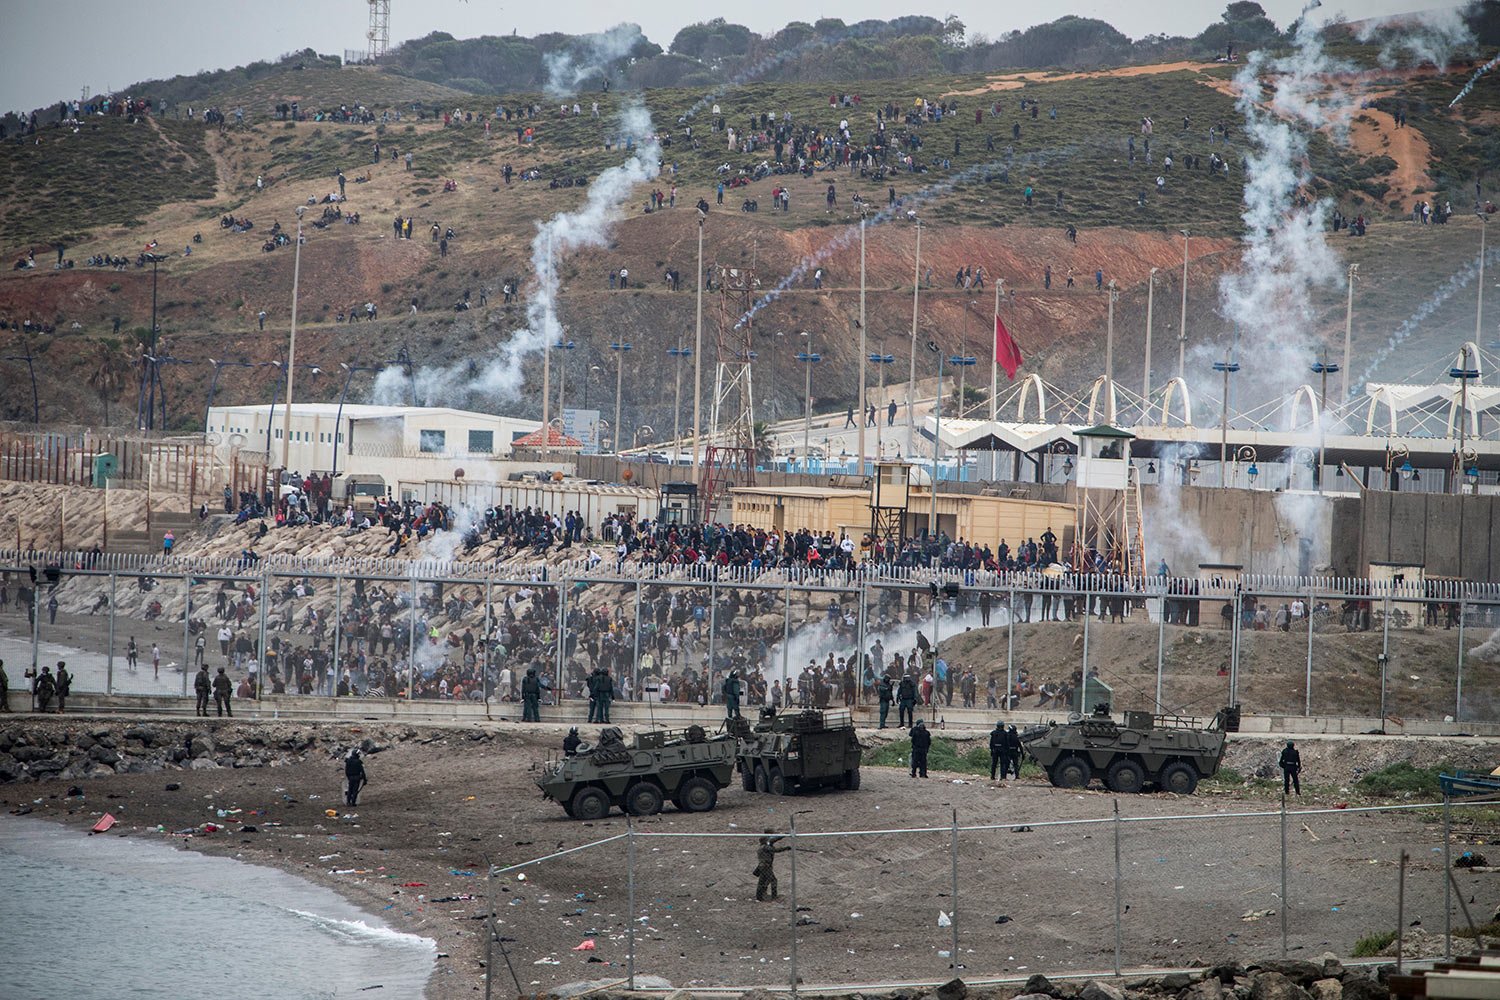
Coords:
1015,81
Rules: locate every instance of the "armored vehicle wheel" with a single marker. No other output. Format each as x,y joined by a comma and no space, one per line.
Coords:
1126,777
850,780
697,795
747,779
643,799
762,779
778,783
1179,777
1072,772
589,803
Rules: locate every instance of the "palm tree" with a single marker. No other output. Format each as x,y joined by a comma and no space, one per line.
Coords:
108,375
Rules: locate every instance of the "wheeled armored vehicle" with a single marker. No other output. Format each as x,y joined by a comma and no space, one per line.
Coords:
785,753
1168,752
686,767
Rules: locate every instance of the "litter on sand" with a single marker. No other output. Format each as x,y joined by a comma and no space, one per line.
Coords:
586,945
105,822
944,920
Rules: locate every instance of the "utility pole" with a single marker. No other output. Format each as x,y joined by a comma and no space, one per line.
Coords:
619,348
1182,330
911,391
548,282
1479,313
1349,330
995,375
1150,303
698,364
291,351
862,349
1109,336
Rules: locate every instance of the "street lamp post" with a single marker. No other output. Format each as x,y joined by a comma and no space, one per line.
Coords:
291,351
1227,368
1246,453
1182,329
1150,304
1109,334
808,359
338,415
1348,338
1479,306
1463,372
937,440
271,420
1324,369
619,348
911,385
698,358
562,380
156,364
36,405
213,383
863,402
677,354
880,360
963,362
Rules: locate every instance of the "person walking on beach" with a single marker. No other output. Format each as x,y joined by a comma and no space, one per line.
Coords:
222,690
202,686
132,654
354,777
155,661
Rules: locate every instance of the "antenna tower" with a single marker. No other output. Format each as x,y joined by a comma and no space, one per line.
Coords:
729,459
379,33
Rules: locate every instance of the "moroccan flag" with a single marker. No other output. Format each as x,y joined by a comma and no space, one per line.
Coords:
1007,351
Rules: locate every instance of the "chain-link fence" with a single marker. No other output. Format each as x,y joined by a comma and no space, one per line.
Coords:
1112,894
470,631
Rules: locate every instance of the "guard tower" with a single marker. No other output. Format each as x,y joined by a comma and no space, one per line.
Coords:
1108,505
889,498
729,460
678,504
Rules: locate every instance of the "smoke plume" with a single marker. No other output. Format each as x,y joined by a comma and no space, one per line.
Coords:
589,56
1475,79
1429,37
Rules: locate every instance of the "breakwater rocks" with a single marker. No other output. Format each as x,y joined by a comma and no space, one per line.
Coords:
36,749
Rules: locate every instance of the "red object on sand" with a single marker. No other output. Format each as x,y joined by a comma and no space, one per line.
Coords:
587,945
105,822
413,885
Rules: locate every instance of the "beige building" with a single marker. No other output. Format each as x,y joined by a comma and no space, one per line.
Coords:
979,519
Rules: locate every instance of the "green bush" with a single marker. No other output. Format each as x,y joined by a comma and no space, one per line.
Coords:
944,756
1402,779
1373,944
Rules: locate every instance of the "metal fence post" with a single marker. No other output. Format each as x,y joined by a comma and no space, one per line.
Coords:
713,627
338,631
954,916
1284,903
1385,662
562,636
1161,638
1087,614
411,641
860,653
1307,686
187,628
786,647
484,645
1458,705
260,648
1010,649
635,648
1401,911
793,894
1118,908
1447,882
1237,609
109,654
630,903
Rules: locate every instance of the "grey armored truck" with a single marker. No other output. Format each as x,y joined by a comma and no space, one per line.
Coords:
1168,752
687,767
796,750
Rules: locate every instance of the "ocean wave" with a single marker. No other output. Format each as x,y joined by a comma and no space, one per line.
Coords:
359,931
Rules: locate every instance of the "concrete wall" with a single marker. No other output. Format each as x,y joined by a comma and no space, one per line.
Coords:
1261,530
1451,536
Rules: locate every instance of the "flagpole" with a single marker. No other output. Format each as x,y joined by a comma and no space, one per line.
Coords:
995,379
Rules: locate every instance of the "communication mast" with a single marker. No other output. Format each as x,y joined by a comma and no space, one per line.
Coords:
379,33
730,457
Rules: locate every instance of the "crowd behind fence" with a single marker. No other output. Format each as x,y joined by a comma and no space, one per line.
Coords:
433,629
1266,882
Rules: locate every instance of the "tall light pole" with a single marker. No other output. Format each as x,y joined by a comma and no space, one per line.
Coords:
677,354
1348,336
880,360
158,363
698,360
1479,310
1324,369
1150,304
1182,330
338,414
619,348
937,439
808,359
963,362
291,350
911,390
549,282
995,377
36,406
1109,334
213,383
562,380
863,402
271,419
1227,367
1463,373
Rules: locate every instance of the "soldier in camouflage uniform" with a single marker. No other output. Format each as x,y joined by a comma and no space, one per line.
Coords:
765,866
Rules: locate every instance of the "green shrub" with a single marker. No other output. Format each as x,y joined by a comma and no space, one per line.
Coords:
1401,779
1373,944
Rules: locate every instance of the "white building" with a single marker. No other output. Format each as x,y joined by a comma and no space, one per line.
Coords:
406,446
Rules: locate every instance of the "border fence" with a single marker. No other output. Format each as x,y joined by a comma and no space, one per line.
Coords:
1118,894
1325,646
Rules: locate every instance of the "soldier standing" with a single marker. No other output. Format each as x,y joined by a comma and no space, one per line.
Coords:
921,742
593,688
886,692
906,701
997,749
731,691
531,697
1291,769
765,866
606,694
44,688
202,686
222,690
354,777
1011,759
64,685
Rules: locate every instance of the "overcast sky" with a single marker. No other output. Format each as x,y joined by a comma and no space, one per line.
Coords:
49,51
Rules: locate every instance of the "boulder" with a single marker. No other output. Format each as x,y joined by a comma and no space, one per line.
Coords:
28,754
10,771
1095,990
1039,983
50,766
1332,967
1270,985
203,764
99,752
953,989
1362,987
1176,982
84,741
1205,989
1327,989
1298,971
1227,972
142,734
1035,996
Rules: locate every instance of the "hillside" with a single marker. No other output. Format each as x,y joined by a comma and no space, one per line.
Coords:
972,207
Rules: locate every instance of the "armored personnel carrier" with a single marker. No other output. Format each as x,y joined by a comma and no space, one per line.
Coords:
1169,752
783,753
685,766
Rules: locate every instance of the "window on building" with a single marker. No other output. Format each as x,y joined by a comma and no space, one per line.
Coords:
432,441
481,442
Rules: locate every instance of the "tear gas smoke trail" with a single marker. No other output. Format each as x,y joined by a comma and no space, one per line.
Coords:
908,203
587,225
1489,650
567,70
1285,254
1431,36
1457,283
1475,79
816,641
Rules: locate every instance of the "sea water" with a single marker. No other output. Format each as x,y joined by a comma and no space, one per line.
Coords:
109,917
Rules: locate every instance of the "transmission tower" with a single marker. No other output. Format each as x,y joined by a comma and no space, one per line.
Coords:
730,458
379,33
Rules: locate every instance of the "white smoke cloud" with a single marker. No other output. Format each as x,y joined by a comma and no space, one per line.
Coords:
1283,96
568,69
1481,71
1429,37
1489,650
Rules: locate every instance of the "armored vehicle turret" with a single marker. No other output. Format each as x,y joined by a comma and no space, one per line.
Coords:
684,766
795,750
1169,752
